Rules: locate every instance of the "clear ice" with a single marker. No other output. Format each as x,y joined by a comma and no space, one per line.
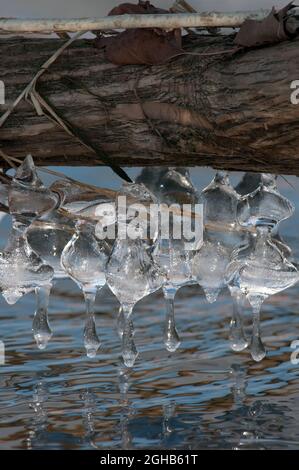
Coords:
209,267
41,329
237,337
84,258
265,205
131,274
21,269
56,234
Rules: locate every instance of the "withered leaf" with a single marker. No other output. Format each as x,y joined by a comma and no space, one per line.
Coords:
150,46
140,46
141,8
268,31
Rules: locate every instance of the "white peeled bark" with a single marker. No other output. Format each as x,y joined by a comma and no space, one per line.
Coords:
165,21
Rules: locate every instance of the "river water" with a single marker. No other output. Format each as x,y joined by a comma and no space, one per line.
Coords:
202,396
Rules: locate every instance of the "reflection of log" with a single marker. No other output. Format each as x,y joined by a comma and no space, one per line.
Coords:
228,112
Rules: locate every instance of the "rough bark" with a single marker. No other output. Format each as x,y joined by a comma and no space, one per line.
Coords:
226,111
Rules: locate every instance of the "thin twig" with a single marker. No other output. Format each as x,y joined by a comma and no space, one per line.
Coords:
49,110
7,159
27,90
43,107
62,176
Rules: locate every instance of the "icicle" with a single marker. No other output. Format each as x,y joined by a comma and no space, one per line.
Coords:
171,337
126,437
258,351
237,338
129,351
41,329
120,322
91,339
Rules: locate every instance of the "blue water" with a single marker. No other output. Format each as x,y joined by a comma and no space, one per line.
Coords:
202,396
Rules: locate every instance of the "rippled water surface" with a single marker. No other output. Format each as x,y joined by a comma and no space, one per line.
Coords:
202,396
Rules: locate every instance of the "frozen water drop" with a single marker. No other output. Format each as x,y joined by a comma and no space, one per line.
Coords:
172,340
258,351
91,340
91,350
211,294
171,337
130,355
237,339
42,339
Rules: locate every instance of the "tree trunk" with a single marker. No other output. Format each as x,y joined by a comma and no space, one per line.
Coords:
227,111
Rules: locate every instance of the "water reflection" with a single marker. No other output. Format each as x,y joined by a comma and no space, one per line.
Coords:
38,433
237,421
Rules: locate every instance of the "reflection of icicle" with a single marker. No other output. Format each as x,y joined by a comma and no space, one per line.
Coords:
126,436
238,373
89,401
40,326
126,409
238,387
40,419
129,351
248,415
168,413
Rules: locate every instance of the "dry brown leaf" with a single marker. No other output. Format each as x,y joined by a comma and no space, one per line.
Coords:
148,46
268,31
140,46
131,8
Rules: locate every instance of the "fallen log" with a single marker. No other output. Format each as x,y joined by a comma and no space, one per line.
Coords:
230,111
